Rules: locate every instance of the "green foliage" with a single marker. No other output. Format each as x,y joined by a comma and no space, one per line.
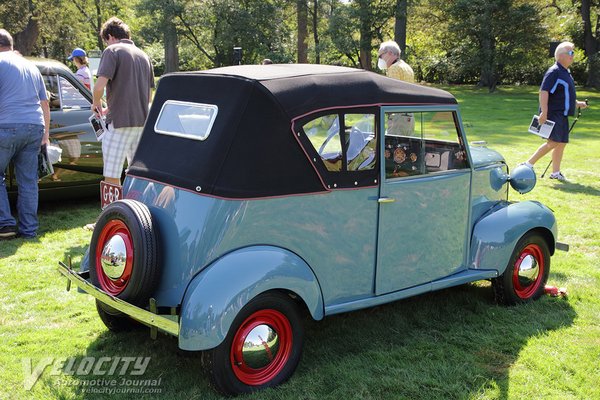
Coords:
487,40
453,41
452,344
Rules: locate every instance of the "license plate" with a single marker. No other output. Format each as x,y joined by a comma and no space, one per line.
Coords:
109,193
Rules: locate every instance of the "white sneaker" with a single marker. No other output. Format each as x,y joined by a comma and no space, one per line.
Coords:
558,176
527,164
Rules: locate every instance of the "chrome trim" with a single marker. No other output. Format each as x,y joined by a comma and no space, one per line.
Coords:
386,200
114,257
528,270
261,346
166,323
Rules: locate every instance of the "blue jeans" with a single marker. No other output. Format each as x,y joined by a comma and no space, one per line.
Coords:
20,143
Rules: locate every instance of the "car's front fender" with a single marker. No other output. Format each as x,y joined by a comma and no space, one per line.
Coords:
216,295
496,233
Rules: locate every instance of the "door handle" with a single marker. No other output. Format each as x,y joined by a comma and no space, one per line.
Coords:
385,200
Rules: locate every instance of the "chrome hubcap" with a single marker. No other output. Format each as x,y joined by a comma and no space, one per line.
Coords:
260,347
528,270
114,257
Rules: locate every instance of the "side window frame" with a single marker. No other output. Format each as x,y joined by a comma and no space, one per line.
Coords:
460,135
342,179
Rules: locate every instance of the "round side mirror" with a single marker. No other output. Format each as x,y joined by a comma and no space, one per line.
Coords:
523,179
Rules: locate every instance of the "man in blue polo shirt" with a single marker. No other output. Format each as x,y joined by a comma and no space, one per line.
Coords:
24,124
557,102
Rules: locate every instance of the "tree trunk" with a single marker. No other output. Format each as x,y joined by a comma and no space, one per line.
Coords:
591,44
171,46
487,43
26,39
302,14
400,25
365,35
315,23
99,23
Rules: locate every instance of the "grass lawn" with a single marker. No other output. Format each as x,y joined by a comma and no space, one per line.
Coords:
452,344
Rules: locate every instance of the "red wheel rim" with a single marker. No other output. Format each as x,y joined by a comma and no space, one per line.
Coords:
528,271
114,285
277,356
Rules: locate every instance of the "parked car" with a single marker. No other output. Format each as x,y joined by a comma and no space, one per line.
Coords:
262,193
80,170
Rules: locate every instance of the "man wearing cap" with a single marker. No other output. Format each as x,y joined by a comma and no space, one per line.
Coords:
24,127
79,58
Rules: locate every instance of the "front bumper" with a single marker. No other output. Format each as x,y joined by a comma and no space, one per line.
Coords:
164,322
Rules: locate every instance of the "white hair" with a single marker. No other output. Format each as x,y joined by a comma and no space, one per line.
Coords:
561,49
390,46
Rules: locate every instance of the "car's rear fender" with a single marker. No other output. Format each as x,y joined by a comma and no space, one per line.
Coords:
216,295
496,233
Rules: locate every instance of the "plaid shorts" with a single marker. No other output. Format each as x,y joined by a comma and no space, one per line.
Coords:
119,144
71,147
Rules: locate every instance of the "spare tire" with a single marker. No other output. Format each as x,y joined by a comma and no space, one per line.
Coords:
123,252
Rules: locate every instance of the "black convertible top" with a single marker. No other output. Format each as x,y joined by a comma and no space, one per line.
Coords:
252,151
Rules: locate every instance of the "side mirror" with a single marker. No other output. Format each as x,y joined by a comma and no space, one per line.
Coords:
522,179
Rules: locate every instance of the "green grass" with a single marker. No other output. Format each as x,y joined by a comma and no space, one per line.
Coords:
453,344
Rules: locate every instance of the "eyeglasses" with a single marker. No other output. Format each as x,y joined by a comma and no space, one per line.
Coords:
570,52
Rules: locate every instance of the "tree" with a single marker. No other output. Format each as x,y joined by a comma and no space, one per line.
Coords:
162,18
315,27
591,39
302,12
484,37
401,14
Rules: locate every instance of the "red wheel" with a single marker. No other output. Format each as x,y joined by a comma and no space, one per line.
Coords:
123,252
526,273
114,257
262,349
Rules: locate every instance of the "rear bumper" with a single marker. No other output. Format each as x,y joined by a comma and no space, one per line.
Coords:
166,323
562,246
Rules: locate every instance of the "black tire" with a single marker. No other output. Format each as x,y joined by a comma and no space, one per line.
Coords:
527,272
115,320
128,223
229,366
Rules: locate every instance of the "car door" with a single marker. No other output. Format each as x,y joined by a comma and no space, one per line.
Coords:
70,129
424,198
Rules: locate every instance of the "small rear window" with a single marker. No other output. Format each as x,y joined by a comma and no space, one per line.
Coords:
187,120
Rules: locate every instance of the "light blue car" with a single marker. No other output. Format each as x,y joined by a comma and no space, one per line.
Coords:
262,193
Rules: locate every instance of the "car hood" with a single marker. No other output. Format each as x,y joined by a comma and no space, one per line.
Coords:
483,156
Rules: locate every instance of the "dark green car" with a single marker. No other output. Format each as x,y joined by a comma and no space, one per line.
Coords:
80,170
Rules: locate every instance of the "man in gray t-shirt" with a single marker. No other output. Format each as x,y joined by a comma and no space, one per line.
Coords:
126,73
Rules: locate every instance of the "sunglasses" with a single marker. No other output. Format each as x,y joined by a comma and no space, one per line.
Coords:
570,52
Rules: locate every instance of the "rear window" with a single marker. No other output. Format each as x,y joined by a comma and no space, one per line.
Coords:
185,119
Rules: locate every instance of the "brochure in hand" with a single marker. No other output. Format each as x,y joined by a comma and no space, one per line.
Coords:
541,130
99,125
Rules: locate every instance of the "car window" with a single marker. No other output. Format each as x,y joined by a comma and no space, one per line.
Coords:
186,119
422,143
324,134
358,136
360,141
71,97
51,82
